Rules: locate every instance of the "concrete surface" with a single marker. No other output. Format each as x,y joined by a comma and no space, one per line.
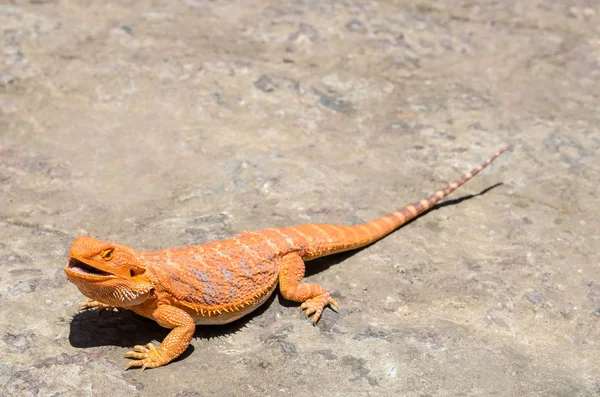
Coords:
159,124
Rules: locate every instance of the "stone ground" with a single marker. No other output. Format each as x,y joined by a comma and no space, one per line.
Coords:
157,124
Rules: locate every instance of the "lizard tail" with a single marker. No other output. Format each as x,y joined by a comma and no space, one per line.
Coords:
380,227
344,238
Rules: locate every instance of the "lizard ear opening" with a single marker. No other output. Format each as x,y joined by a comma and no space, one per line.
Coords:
136,271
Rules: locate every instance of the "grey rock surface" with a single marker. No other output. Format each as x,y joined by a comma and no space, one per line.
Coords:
161,123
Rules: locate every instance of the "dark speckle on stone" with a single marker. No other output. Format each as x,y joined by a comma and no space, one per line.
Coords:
188,393
195,231
265,84
63,359
22,383
534,297
358,366
434,226
477,126
18,341
460,150
472,265
354,363
525,220
127,29
521,204
356,26
288,349
270,84
14,259
334,103
58,280
327,354
593,291
264,365
20,272
279,338
354,220
370,334
211,218
218,98
305,30
135,383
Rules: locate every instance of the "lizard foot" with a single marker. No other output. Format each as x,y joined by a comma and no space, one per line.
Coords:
317,304
96,305
146,357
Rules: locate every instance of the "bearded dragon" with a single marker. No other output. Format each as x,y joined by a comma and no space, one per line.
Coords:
221,281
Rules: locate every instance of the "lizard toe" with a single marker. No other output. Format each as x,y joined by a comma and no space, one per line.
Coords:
314,306
96,305
145,357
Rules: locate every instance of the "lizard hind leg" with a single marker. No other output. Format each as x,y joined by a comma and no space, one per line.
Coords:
313,297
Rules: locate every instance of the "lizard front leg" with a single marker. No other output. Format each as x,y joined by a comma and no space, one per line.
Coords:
96,305
174,344
313,297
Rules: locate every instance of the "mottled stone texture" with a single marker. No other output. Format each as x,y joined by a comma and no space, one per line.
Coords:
163,123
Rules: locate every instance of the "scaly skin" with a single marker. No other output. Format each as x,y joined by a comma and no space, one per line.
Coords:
221,281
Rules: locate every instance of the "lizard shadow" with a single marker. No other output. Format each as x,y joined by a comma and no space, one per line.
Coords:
126,329
320,264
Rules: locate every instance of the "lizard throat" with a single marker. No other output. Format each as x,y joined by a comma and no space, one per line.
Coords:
80,267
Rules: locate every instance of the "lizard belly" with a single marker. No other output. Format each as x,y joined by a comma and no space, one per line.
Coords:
227,317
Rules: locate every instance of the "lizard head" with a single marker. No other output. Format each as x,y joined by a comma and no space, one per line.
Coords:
110,273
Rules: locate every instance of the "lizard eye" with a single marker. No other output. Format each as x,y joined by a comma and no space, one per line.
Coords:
107,254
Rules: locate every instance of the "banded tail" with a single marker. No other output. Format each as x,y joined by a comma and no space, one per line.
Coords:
324,240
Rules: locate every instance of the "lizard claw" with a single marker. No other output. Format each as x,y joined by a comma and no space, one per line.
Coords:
96,305
314,306
145,357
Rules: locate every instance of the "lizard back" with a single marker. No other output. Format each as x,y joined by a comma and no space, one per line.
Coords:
221,280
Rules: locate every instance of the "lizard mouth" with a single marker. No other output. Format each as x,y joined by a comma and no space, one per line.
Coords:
78,266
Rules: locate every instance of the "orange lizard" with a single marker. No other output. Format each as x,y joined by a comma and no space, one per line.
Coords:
221,281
